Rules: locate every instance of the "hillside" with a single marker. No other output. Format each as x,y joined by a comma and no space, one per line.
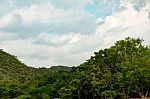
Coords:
11,68
119,72
15,74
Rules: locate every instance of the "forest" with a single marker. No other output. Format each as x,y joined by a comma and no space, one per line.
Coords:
121,71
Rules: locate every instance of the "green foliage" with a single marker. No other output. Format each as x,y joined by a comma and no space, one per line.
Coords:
118,72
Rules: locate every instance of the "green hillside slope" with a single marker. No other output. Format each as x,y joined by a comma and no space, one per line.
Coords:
11,68
119,72
17,79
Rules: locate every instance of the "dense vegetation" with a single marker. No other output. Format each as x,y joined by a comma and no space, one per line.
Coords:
119,72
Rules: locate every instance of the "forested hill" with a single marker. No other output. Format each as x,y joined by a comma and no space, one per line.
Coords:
14,75
11,69
119,72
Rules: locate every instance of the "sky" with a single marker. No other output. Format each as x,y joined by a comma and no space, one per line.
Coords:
44,33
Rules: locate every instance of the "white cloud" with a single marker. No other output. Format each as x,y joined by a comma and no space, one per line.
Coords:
4,36
71,4
58,39
5,20
50,14
73,48
129,22
47,18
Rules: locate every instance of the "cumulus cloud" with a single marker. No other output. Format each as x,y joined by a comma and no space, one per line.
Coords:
55,39
35,19
57,35
129,22
74,50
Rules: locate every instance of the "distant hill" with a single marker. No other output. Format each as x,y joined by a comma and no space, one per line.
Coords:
60,67
11,69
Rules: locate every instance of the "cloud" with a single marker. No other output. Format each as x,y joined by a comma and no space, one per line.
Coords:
57,40
7,36
34,19
51,34
71,4
129,22
69,49
5,20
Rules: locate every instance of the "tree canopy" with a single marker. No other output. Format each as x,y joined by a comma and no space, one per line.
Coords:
119,72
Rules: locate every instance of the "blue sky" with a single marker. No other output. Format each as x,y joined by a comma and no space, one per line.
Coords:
67,32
